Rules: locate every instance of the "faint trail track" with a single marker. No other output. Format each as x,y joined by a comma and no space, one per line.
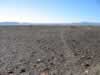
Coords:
68,51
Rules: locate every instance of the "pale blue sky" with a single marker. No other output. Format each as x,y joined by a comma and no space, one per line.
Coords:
50,11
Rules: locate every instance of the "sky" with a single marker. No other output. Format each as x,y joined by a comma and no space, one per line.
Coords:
50,11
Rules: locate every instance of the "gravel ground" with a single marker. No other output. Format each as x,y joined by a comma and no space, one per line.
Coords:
49,50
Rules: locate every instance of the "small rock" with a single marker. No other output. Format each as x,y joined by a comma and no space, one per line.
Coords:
38,60
86,72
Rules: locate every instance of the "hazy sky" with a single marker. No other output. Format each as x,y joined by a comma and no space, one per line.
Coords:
46,11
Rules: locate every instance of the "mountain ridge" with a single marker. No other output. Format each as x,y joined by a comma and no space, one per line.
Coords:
57,24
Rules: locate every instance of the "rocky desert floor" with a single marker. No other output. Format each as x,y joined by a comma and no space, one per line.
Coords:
49,50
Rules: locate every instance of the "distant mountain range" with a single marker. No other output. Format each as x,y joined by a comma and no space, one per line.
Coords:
86,24
14,23
62,24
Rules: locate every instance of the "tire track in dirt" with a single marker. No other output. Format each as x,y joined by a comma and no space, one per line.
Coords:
67,49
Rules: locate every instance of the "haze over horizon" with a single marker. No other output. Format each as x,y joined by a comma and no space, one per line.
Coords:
50,11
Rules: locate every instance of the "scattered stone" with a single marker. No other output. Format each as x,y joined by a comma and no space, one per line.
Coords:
45,72
86,72
26,50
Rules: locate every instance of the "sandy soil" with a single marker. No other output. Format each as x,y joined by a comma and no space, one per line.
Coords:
45,50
